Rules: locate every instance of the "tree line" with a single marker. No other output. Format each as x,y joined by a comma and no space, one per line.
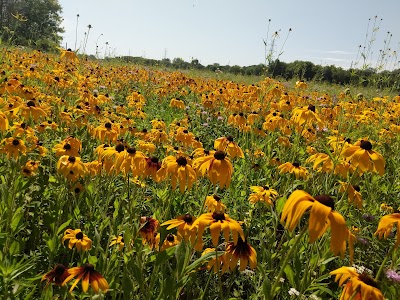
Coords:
298,70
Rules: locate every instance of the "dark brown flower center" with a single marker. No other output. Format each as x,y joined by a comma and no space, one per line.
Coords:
296,164
131,150
23,125
366,145
154,160
77,190
30,103
119,148
72,159
217,198
15,142
219,155
59,270
368,280
356,187
181,161
218,216
230,138
89,268
311,107
326,200
67,146
188,218
170,238
79,235
107,125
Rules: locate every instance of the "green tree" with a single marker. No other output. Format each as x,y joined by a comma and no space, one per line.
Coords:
35,23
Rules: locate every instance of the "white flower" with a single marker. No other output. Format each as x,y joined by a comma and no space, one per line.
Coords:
293,291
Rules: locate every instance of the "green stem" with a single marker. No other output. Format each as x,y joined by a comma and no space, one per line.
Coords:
288,256
384,262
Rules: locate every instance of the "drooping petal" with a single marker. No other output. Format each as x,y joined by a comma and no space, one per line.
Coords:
318,217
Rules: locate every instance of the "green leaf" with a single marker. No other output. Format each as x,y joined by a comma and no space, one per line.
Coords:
279,205
200,260
92,259
14,248
290,275
63,226
165,255
16,218
266,286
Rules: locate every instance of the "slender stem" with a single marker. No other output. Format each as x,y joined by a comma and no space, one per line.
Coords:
221,294
284,263
384,262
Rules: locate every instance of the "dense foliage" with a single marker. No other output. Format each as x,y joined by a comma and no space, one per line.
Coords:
34,23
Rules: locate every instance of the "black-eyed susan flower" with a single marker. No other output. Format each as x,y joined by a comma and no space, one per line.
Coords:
213,203
89,276
170,240
130,160
240,251
227,145
217,221
13,147
301,85
30,168
68,55
71,146
217,261
106,133
57,275
217,167
364,158
358,286
293,168
322,162
152,166
71,167
148,230
31,109
353,193
263,194
118,241
322,216
3,122
77,189
306,116
77,239
177,103
180,171
386,225
184,225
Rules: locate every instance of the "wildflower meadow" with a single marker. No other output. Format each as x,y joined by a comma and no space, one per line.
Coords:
124,182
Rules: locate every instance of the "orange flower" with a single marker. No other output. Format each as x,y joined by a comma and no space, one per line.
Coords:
322,215
218,221
76,238
386,225
218,168
184,224
57,275
89,276
294,168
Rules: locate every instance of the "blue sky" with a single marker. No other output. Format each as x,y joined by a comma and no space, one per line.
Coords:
232,32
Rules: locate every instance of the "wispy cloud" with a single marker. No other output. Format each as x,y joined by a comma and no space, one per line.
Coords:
335,59
340,52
